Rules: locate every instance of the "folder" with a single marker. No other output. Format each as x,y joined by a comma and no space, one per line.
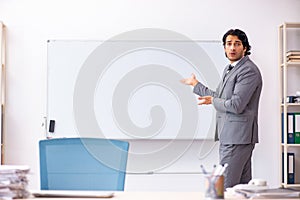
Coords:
290,125
290,168
290,128
297,128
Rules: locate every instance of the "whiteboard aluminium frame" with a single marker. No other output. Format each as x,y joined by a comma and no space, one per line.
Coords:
66,58
2,87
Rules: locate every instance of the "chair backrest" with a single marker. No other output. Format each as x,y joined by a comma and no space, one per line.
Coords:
83,164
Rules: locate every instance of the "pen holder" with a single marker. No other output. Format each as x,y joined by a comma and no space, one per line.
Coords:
214,187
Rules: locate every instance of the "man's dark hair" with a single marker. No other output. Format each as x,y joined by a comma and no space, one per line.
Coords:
242,36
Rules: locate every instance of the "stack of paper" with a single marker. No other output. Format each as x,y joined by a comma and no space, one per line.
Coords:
274,193
293,56
13,181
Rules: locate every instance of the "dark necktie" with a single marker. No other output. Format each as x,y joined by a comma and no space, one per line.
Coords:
228,70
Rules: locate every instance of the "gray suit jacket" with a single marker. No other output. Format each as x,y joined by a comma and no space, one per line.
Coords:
236,101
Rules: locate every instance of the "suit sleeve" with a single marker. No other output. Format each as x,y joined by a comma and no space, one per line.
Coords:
202,90
246,84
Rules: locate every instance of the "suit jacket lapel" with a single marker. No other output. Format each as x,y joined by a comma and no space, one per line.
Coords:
226,76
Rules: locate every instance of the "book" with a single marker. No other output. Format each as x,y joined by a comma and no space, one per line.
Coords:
293,59
293,56
293,53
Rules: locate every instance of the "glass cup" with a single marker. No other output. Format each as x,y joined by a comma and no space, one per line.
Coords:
214,187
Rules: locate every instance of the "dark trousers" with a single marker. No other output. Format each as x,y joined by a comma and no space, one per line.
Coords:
238,158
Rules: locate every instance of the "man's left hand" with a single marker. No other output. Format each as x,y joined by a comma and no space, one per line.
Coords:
205,100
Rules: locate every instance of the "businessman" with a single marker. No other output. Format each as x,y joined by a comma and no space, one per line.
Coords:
236,101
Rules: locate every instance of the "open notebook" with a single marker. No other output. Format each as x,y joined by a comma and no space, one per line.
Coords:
72,193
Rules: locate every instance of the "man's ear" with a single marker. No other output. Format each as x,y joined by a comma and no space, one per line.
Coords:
245,49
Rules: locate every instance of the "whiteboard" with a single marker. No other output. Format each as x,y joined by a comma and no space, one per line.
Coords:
130,89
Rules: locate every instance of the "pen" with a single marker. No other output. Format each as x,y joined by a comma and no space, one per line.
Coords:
223,169
218,170
214,168
203,169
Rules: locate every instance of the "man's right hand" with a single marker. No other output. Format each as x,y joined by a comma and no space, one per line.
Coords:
190,81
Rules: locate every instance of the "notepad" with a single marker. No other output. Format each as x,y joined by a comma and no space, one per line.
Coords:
72,193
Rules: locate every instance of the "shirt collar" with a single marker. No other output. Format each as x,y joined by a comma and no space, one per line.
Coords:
235,63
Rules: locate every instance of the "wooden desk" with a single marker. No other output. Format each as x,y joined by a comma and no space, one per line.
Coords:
148,196
142,196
